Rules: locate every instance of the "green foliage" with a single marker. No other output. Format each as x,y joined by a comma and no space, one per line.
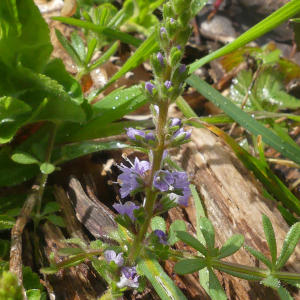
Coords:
6,222
177,225
9,287
232,245
190,266
158,223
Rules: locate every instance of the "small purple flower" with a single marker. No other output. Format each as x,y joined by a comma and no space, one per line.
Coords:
128,179
181,199
181,181
129,278
149,87
162,237
132,132
175,122
163,180
182,134
127,209
182,69
150,136
161,59
172,20
178,47
111,255
168,84
156,109
163,31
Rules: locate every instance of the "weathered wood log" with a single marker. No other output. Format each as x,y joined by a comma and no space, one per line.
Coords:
235,205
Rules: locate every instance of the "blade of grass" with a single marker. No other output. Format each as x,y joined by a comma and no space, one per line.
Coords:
284,13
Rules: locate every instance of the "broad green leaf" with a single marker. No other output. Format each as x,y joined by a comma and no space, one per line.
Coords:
162,283
158,223
208,232
59,221
56,70
140,55
270,236
34,294
193,242
118,35
70,251
232,245
281,15
215,289
24,158
271,281
47,168
25,35
196,6
69,48
177,225
259,256
290,242
190,266
244,119
50,207
11,109
31,280
6,222
284,294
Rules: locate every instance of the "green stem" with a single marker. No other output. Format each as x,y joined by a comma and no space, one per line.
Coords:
44,178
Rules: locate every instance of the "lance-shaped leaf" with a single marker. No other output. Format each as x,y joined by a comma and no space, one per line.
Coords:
24,158
215,289
188,266
284,294
70,251
270,236
232,245
208,232
193,242
259,256
289,245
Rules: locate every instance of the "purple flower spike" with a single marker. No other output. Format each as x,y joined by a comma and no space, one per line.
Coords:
149,87
162,237
178,47
163,181
168,84
172,20
132,132
161,59
127,209
163,31
112,255
129,278
181,181
150,136
175,122
182,69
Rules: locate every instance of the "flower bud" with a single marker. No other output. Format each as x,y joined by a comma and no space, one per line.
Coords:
184,35
157,63
149,87
171,27
168,11
184,19
168,84
175,56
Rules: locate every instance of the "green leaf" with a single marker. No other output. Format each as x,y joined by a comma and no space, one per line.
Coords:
91,48
4,250
196,6
50,207
238,274
193,242
105,57
78,45
284,294
259,256
140,55
25,35
118,35
208,232
215,289
6,222
162,283
49,270
31,280
56,220
244,119
279,16
35,295
69,251
56,70
232,245
190,266
177,225
47,168
289,245
77,241
271,281
24,158
270,236
69,48
158,223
